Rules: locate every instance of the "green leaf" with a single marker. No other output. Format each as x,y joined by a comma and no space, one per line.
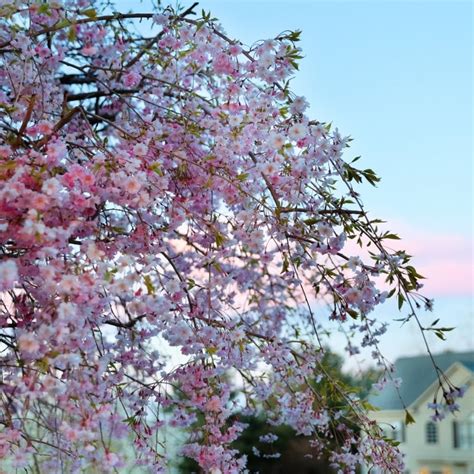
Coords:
391,293
368,407
155,167
109,274
131,420
294,64
401,300
220,239
90,13
71,34
353,314
370,176
44,9
311,221
63,23
149,285
413,271
409,420
200,24
391,236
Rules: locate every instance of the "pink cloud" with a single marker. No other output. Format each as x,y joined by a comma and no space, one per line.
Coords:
444,259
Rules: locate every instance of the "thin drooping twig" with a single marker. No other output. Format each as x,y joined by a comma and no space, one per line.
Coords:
147,46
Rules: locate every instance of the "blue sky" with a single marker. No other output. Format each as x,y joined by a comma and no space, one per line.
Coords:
397,77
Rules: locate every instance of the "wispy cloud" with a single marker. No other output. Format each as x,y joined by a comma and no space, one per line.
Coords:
444,259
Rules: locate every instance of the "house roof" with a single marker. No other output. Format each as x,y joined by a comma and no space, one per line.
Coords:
417,374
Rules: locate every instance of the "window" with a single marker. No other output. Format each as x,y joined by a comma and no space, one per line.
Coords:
463,433
431,433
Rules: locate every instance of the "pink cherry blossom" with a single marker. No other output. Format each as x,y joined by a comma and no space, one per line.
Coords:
277,140
28,343
163,191
297,131
299,105
140,149
132,185
89,50
131,79
51,186
8,274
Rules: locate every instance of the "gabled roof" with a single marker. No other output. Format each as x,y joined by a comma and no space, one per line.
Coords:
417,374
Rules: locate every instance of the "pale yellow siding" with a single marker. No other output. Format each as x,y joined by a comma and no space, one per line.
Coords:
441,457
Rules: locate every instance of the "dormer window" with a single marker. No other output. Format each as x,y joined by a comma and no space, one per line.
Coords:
431,432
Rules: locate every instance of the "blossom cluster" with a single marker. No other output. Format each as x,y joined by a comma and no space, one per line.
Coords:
169,193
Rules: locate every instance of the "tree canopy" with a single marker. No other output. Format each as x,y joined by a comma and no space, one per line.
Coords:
163,191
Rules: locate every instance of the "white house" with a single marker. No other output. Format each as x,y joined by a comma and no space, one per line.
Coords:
443,447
